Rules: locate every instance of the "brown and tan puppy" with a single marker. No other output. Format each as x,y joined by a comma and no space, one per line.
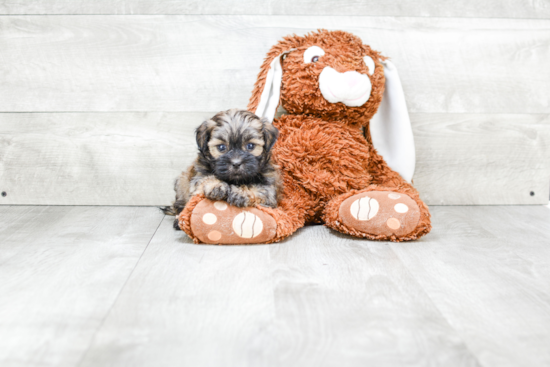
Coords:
233,165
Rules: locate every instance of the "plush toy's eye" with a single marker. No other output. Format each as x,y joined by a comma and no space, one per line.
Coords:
370,64
222,148
250,146
313,54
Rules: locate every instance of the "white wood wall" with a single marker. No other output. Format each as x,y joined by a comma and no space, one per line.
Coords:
98,100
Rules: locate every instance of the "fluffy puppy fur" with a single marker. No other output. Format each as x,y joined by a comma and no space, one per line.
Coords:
234,163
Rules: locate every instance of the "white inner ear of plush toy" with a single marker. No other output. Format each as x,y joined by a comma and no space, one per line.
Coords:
311,52
370,64
390,128
269,99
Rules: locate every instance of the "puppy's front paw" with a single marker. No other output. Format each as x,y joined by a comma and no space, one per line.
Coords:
239,197
218,191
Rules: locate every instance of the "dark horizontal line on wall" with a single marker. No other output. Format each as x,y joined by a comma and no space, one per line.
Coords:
274,15
214,111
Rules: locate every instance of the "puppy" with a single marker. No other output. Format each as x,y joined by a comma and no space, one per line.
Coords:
234,163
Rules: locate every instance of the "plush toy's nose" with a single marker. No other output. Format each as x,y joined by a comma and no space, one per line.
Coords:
351,88
352,78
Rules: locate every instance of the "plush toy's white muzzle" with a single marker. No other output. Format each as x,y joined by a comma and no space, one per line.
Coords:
351,88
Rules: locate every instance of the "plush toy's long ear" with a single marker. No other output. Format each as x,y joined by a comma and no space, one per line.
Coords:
267,90
269,99
390,128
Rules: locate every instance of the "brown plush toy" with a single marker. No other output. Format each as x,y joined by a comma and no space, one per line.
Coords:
329,149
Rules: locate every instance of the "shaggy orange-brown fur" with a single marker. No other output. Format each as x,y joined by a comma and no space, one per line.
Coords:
322,149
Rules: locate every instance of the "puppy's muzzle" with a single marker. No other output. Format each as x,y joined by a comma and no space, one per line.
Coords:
236,163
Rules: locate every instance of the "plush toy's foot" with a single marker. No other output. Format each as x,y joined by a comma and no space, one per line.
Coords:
380,214
217,222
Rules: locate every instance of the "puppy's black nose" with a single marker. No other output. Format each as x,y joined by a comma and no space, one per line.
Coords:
236,164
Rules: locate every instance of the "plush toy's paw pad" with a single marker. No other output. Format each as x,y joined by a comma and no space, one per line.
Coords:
380,213
218,222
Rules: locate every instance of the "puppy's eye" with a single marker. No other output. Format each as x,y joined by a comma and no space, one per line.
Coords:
315,59
222,148
250,146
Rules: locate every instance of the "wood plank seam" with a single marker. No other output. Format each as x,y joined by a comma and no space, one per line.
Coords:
434,304
90,343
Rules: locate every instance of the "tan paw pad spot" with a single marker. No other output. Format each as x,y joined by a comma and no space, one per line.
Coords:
209,218
394,196
220,205
214,235
365,208
401,208
393,223
247,225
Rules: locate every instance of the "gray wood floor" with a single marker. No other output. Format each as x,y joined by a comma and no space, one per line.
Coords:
117,286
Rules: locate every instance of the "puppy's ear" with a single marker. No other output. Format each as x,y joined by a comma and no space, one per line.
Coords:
270,134
202,134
